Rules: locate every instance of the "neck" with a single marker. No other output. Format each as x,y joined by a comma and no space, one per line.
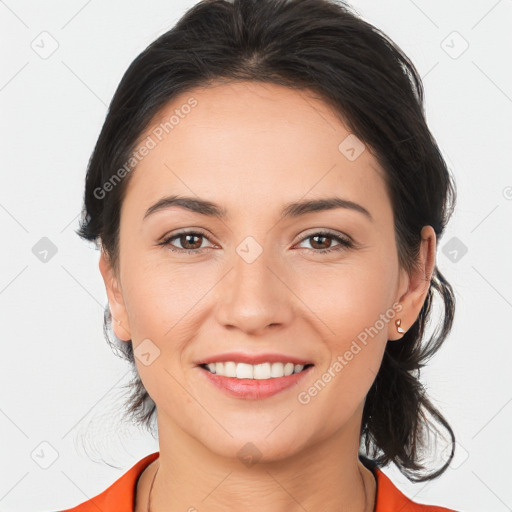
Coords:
327,476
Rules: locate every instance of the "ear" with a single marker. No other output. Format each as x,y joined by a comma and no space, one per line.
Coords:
120,324
413,288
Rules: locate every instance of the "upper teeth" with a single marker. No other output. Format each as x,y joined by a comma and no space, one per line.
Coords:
256,371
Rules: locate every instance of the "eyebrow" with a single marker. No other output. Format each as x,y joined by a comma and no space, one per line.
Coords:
293,209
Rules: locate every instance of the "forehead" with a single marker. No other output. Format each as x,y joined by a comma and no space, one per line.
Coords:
249,143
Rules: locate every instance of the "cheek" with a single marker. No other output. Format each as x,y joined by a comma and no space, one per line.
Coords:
162,307
353,310
160,299
351,297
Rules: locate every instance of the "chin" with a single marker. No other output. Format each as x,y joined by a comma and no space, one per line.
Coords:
255,446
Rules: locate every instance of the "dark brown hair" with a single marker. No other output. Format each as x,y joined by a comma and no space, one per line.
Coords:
323,47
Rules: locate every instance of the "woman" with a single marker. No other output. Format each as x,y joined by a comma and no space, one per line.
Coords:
268,199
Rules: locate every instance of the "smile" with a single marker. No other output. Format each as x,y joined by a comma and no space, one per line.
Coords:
261,371
253,382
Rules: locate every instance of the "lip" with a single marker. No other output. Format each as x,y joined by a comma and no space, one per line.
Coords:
241,357
253,389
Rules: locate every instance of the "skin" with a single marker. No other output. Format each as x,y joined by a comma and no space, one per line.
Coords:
251,148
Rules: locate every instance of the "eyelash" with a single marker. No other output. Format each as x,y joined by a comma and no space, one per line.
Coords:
344,243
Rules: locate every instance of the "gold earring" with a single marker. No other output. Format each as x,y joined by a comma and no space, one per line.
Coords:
398,328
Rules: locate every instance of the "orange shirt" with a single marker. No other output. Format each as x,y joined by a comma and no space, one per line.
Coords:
120,496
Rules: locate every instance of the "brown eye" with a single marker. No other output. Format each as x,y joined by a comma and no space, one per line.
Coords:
190,242
322,242
187,241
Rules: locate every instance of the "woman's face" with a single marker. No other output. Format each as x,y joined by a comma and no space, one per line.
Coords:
255,281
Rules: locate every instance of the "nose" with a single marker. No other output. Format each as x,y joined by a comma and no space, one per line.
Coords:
254,295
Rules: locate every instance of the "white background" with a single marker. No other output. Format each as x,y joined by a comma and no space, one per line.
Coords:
60,382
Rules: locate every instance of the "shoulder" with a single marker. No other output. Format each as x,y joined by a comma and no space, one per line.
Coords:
120,496
391,499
